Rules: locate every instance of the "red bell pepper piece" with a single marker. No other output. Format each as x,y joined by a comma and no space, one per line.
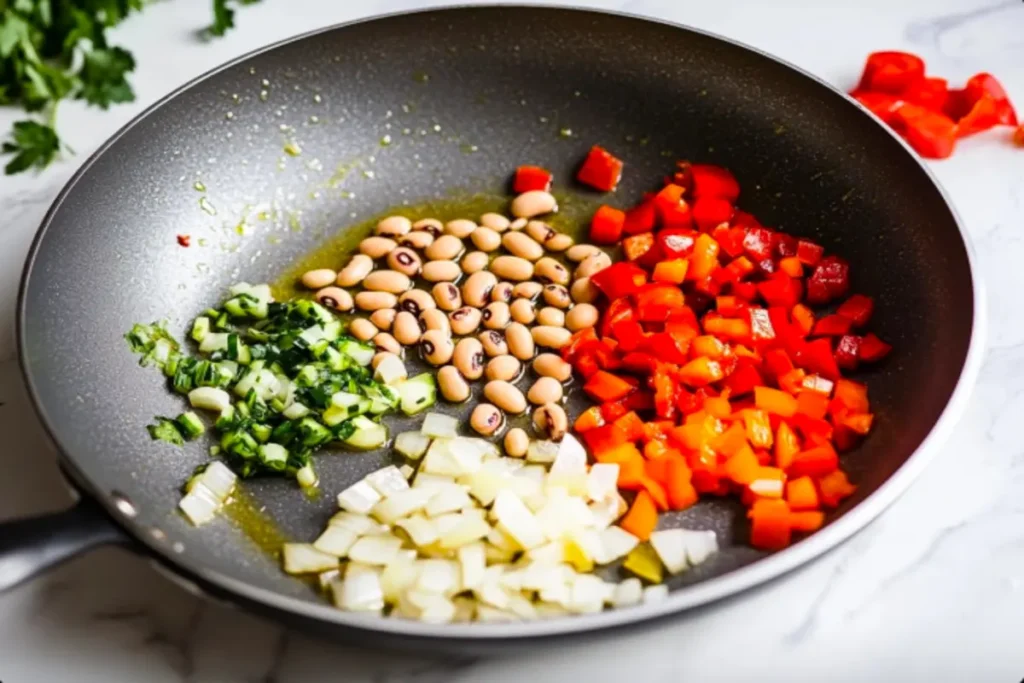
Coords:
817,357
641,218
606,225
882,105
853,396
814,462
858,308
704,258
604,386
590,418
629,333
638,362
830,280
761,329
932,135
676,243
744,290
656,301
780,290
672,209
744,379
618,310
600,170
980,87
582,340
777,362
587,366
808,252
834,487
700,372
710,212
713,181
835,325
803,319
891,72
872,349
847,351
770,526
665,348
783,245
758,244
731,239
619,280
610,412
604,438
930,93
529,178
682,324
664,393
635,247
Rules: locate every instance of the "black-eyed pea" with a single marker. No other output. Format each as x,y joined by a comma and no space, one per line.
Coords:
512,268
551,421
523,311
380,357
433,319
486,419
469,358
416,301
594,263
385,342
552,365
549,271
551,316
374,301
502,292
495,221
506,396
516,442
545,390
377,247
441,271
527,290
522,245
581,317
494,343
518,224
335,298
352,274
406,328
394,226
362,329
579,252
318,279
447,296
540,231
383,319
444,248
460,227
474,262
520,341
583,291
417,239
406,261
557,296
436,347
465,321
452,385
550,337
559,243
387,281
430,225
495,315
485,239
505,368
534,203
477,288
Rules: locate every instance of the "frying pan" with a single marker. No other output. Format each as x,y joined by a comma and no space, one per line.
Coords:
402,109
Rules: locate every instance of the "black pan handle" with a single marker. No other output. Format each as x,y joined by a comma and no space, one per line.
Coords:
30,545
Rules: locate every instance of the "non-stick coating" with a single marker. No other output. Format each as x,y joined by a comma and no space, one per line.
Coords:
465,95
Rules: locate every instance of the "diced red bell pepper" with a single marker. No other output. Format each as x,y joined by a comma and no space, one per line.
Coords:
619,280
777,362
676,243
791,266
682,325
629,333
758,244
530,178
882,105
730,306
770,526
781,290
665,348
731,239
847,351
814,462
930,93
834,487
817,357
891,72
582,340
604,386
872,349
932,135
830,280
744,379
710,212
835,325
600,170
606,225
713,181
672,209
664,393
801,494
857,308
761,329
587,366
656,301
635,247
590,418
803,319
853,396
604,438
612,411
700,372
808,252
641,218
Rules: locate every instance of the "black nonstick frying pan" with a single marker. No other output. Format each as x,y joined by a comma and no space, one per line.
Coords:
409,108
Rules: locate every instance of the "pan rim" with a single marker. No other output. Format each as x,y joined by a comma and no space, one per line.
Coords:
703,593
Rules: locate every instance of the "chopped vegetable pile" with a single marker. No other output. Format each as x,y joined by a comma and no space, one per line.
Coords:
712,371
924,110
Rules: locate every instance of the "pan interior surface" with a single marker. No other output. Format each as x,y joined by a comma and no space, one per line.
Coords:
262,161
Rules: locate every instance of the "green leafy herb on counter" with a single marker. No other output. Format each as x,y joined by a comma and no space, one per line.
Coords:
53,50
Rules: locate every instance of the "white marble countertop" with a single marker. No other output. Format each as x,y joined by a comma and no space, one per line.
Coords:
929,591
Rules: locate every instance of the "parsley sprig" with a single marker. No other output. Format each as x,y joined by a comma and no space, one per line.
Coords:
52,50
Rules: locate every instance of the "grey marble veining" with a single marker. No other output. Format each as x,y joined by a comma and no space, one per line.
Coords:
930,591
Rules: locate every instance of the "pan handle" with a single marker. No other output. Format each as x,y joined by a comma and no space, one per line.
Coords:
30,545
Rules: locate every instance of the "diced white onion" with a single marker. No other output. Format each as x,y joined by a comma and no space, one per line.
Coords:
361,593
375,550
199,505
439,460
656,593
360,497
422,531
542,451
303,558
700,545
571,457
209,398
628,593
407,471
601,481
616,542
218,479
468,530
448,498
387,481
670,546
358,524
401,504
412,445
438,425
399,576
335,540
441,577
472,564
515,519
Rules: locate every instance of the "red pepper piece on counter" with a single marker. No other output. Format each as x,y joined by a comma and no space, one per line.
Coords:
932,135
891,72
930,93
881,105
713,181
872,349
710,212
830,280
606,225
529,178
858,308
981,87
619,280
600,170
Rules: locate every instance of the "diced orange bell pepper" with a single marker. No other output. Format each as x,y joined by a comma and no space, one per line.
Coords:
632,425
657,493
791,266
804,319
736,329
734,439
758,428
770,524
774,401
700,372
792,381
588,419
706,346
742,467
673,271
801,494
860,423
657,469
679,486
852,395
786,446
604,386
704,258
718,406
622,453
656,450
812,404
808,520
631,473
642,517
834,487
816,462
